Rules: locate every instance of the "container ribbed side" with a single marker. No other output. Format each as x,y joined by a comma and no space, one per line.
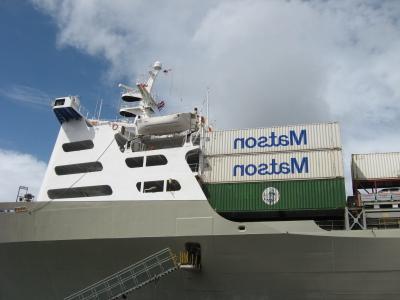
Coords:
274,139
375,166
293,195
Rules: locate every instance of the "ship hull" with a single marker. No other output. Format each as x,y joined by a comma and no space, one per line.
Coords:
45,256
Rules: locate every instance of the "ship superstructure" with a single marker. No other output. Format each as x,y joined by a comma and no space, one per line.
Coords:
241,214
145,156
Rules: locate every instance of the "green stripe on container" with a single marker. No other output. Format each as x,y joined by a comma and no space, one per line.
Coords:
294,195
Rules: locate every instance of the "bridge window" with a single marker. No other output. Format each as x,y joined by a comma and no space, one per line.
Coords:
59,102
156,160
77,146
173,185
134,162
80,192
153,186
79,168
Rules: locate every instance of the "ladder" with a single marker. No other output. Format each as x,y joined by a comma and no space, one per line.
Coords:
131,278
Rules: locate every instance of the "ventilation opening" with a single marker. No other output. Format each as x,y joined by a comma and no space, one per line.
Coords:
173,185
156,160
242,228
193,158
79,168
78,192
134,162
153,186
77,146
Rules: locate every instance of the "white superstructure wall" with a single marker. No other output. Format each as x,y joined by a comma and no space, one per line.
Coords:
115,179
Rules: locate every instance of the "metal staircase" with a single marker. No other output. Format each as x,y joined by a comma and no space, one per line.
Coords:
129,279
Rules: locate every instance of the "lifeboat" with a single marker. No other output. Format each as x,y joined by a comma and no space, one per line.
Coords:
168,124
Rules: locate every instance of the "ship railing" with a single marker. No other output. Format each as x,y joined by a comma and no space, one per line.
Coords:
380,197
383,223
330,225
131,278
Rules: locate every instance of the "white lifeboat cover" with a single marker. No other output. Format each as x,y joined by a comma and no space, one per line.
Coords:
165,124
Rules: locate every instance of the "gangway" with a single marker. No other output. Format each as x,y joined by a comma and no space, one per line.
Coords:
131,278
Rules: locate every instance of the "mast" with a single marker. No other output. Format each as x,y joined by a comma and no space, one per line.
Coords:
144,104
207,106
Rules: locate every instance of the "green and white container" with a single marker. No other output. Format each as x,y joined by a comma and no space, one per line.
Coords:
291,171
266,196
289,181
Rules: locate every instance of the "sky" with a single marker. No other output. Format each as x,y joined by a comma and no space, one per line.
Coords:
265,63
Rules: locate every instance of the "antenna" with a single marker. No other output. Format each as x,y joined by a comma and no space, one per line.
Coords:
207,106
100,107
95,109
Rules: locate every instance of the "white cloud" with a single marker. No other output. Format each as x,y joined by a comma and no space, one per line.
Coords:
19,169
25,94
266,62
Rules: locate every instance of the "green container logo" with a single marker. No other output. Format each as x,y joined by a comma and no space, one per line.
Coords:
270,196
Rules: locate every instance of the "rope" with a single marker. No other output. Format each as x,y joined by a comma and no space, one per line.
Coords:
75,182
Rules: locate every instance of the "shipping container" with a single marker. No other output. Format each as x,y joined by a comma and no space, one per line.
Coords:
375,166
290,196
273,166
274,139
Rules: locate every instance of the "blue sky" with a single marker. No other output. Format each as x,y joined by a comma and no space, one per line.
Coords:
35,69
265,63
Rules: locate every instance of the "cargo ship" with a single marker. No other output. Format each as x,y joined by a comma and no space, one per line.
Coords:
159,206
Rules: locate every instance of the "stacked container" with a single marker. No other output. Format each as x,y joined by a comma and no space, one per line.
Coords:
374,171
375,166
280,169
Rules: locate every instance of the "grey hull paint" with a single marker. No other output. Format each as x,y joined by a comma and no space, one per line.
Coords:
65,246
